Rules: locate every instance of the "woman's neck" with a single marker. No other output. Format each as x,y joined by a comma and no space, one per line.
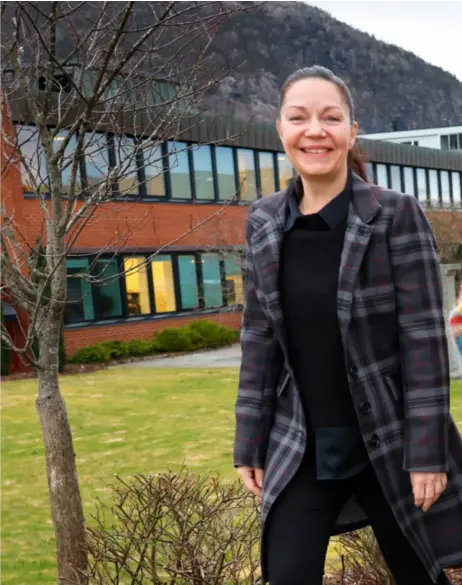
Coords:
319,191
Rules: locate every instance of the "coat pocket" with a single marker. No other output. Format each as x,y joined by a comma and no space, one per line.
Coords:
283,384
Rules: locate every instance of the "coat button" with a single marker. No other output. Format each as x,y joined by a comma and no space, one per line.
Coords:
365,407
353,371
374,441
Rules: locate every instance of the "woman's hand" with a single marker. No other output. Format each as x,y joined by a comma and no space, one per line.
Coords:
427,488
252,477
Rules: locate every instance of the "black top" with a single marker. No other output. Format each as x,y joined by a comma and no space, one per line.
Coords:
310,261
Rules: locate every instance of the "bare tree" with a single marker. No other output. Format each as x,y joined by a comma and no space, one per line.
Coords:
72,70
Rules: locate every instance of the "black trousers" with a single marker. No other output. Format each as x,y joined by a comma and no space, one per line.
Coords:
300,524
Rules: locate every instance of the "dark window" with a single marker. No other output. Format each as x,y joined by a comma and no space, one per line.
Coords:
267,176
286,170
188,282
67,161
444,142
233,281
126,160
225,172
164,286
34,170
136,284
180,173
79,304
203,172
211,278
108,296
247,176
96,158
154,170
421,185
453,142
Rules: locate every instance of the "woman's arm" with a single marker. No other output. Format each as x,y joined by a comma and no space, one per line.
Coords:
256,344
422,337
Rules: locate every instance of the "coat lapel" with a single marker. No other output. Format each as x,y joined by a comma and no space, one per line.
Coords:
363,208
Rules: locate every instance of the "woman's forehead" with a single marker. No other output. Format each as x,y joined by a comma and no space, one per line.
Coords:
314,92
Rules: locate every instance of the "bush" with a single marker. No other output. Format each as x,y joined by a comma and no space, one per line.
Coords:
178,529
172,340
196,335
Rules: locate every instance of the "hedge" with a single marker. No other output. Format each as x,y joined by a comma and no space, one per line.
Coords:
196,335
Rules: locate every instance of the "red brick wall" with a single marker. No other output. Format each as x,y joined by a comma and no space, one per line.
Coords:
81,337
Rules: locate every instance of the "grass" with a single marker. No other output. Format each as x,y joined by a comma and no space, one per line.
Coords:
124,421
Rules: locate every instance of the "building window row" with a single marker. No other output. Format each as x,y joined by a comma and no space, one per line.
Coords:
451,141
431,186
135,286
174,170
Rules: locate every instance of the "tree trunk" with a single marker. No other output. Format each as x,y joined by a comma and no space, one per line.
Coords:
65,500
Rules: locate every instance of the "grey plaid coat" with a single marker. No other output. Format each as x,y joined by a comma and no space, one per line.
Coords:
389,306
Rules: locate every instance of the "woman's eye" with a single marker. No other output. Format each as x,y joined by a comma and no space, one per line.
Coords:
333,119
295,118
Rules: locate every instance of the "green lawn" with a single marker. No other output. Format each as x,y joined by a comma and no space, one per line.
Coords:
124,421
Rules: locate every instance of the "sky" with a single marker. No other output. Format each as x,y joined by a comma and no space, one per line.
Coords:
431,30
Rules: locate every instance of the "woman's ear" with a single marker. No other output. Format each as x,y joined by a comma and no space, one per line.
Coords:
354,134
278,128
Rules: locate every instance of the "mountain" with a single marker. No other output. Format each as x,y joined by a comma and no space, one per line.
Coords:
392,88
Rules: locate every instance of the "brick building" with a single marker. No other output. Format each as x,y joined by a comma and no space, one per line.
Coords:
184,211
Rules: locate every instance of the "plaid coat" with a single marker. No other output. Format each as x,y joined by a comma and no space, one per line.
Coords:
389,305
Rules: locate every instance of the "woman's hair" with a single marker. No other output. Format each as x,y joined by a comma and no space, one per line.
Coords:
356,160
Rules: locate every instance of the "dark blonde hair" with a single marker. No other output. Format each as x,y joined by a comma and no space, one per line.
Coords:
356,160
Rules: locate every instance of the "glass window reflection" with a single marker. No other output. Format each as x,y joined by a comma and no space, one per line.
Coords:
267,177
203,173
247,178
225,171
180,173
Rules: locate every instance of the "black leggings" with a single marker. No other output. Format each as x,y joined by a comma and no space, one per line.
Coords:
300,524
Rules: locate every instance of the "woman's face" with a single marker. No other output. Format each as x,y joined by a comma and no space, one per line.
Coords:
315,128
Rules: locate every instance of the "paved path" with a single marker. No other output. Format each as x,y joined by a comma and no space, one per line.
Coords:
216,358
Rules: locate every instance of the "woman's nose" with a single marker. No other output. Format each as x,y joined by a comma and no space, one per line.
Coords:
314,128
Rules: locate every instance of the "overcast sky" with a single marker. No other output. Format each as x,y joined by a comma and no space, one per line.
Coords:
432,30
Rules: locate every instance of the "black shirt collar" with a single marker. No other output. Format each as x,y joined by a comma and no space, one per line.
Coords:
331,214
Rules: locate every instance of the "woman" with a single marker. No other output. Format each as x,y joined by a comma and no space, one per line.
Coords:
342,416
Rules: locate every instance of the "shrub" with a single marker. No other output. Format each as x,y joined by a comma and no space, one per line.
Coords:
178,529
195,335
173,339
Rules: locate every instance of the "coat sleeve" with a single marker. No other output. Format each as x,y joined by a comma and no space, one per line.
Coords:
422,338
257,344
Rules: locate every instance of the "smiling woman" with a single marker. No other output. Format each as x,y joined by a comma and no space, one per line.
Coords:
342,414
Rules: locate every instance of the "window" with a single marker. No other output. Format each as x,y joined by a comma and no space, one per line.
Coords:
247,179
445,188
370,172
421,185
154,170
434,188
382,175
286,170
453,142
444,142
96,158
79,303
164,288
395,175
203,173
34,171
225,171
67,161
267,178
136,283
107,293
188,282
211,278
126,158
233,281
456,188
409,186
180,174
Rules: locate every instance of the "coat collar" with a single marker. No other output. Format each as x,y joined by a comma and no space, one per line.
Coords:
266,241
